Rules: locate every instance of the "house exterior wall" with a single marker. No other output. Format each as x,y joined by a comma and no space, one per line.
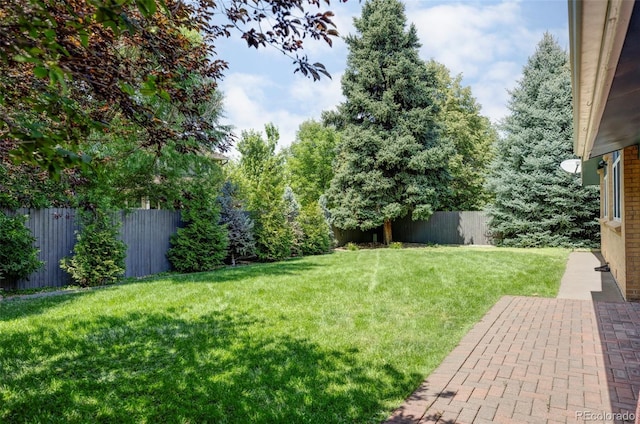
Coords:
621,238
631,221
611,231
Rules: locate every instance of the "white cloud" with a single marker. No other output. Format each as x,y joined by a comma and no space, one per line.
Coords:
487,43
244,96
316,96
462,36
237,52
252,100
261,87
491,89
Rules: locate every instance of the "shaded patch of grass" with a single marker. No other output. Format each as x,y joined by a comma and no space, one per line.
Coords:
335,338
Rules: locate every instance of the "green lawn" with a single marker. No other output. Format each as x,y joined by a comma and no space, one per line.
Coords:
336,338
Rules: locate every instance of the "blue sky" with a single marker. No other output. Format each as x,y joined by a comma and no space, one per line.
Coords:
488,42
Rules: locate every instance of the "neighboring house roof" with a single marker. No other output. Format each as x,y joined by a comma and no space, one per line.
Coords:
220,157
605,68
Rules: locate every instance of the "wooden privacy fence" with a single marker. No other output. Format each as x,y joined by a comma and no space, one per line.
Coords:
442,228
145,232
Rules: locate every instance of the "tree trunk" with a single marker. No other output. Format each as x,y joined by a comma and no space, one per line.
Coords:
387,232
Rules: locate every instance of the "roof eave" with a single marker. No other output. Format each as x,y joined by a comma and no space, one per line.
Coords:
597,30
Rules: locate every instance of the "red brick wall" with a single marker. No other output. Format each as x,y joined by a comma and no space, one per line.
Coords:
631,220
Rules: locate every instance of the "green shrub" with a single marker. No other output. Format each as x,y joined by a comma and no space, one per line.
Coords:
274,236
352,246
316,237
202,244
18,256
98,255
395,245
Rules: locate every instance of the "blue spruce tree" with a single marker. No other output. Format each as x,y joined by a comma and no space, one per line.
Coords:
536,202
392,160
238,223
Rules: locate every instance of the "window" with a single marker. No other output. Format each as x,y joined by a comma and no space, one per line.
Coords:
617,195
605,193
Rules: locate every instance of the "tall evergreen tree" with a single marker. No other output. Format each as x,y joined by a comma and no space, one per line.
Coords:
536,202
392,160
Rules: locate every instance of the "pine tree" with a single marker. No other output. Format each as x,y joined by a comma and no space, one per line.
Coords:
238,223
98,255
536,202
202,244
18,255
391,161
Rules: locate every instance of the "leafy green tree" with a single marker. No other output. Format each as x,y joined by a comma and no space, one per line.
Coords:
392,160
127,164
261,175
536,202
472,136
134,166
126,172
309,160
65,69
238,223
27,186
202,244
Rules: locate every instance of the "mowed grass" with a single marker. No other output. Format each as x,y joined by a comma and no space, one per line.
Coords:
327,339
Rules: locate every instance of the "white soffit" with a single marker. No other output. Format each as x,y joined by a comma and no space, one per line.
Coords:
597,30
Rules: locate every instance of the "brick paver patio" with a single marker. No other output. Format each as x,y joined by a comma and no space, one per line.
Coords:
536,360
